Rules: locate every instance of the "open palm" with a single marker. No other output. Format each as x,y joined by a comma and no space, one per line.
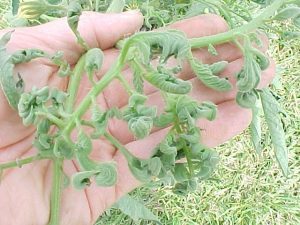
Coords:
25,193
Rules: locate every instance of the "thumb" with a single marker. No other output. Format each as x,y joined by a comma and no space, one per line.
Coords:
97,29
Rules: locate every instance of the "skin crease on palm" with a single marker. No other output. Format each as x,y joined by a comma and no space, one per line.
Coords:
25,192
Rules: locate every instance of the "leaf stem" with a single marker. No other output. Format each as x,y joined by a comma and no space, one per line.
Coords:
20,162
187,153
52,118
232,34
125,84
113,72
56,192
118,145
74,83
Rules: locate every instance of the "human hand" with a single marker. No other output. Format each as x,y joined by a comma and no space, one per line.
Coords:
25,193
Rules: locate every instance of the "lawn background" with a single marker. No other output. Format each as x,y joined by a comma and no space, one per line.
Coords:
246,189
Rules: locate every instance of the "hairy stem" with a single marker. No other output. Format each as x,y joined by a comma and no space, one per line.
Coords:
125,84
74,84
58,122
232,34
56,192
118,145
113,73
20,162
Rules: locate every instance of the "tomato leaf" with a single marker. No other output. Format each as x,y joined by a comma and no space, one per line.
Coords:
272,110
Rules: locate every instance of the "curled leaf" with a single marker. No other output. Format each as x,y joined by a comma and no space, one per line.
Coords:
247,99
11,90
84,143
64,67
73,15
81,180
249,77
205,74
164,120
261,59
218,67
23,56
63,148
171,42
166,147
168,83
208,162
106,175
93,61
85,162
139,170
181,172
140,126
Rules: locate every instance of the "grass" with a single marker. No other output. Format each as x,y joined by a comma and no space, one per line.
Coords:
246,189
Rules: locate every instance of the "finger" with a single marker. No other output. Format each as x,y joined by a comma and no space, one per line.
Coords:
99,30
231,120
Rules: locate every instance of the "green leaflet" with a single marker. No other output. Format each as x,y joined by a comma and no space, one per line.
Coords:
212,50
166,148
181,172
73,15
23,56
140,126
154,166
84,143
85,162
15,6
261,59
11,90
218,67
189,110
138,81
135,209
64,66
168,83
247,99
272,111
139,170
185,187
288,13
93,62
296,21
145,169
164,120
139,117
81,180
291,35
255,130
63,148
32,102
249,77
209,160
171,42
205,74
74,12
106,175
116,6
